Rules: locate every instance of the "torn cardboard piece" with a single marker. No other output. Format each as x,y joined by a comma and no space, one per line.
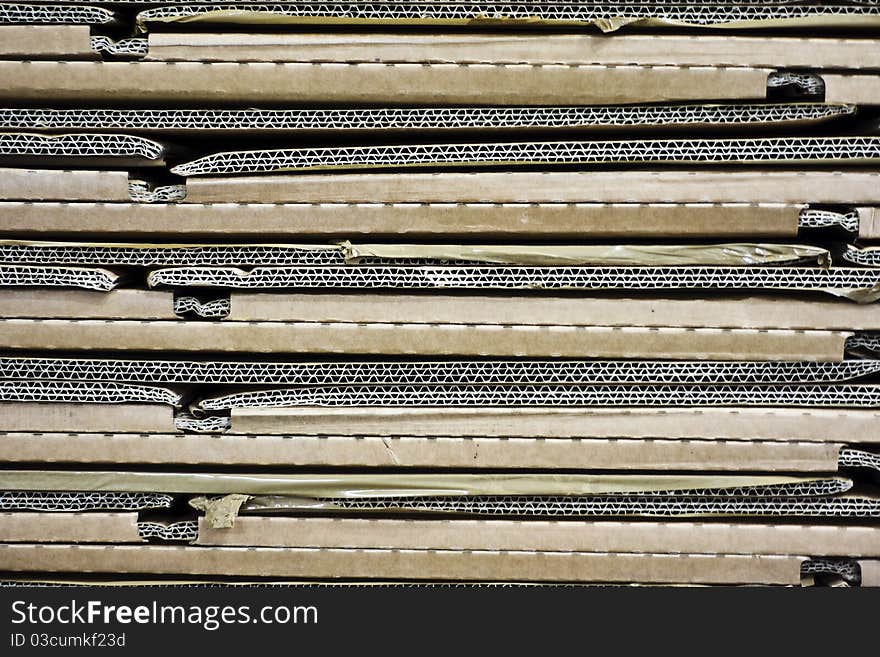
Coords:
79,392
80,149
27,15
422,452
425,339
85,278
404,564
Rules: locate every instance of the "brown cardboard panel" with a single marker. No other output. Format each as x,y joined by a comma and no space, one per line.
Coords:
483,84
500,48
858,89
117,304
46,42
424,339
86,418
316,563
869,223
870,572
52,185
25,527
798,424
698,186
717,312
421,452
347,220
546,536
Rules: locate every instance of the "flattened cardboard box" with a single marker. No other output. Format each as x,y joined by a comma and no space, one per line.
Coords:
711,312
377,190
766,186
317,563
410,120
704,312
852,426
530,48
585,536
408,219
427,452
108,83
605,16
424,339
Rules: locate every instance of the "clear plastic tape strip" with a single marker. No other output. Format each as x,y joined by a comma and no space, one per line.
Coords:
784,149
550,395
84,392
489,372
82,501
451,118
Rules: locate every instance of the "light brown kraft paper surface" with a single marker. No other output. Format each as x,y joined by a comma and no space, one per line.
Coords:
425,339
404,564
798,424
57,185
27,527
499,48
688,186
582,536
748,312
343,220
86,418
46,42
86,304
430,451
109,83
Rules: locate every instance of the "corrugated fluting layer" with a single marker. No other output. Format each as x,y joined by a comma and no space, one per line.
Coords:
440,292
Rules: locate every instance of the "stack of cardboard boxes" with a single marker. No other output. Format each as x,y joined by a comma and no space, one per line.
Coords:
428,291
